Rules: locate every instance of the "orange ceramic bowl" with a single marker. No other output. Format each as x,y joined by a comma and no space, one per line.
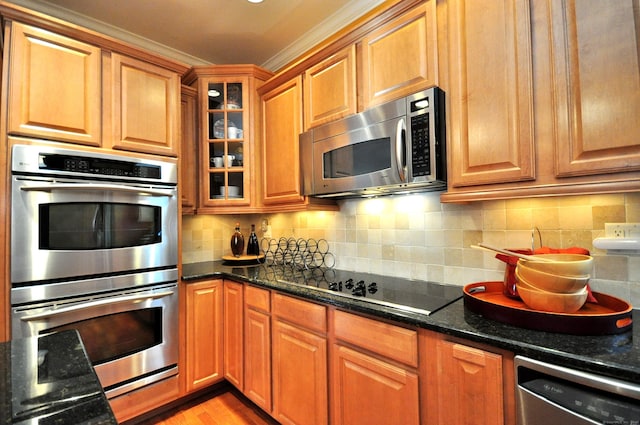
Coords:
537,299
551,282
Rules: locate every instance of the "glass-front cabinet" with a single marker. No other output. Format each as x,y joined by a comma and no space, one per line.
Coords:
225,140
227,163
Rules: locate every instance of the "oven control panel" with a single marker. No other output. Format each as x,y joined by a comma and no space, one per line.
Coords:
47,161
107,167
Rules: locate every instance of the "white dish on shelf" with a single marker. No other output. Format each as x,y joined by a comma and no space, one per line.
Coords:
218,128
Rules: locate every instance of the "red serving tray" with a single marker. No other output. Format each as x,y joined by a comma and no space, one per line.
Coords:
610,315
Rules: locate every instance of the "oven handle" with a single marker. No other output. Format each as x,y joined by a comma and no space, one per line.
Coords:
95,187
84,306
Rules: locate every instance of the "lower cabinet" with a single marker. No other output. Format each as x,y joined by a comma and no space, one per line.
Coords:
467,383
299,362
233,333
257,340
310,364
374,372
204,327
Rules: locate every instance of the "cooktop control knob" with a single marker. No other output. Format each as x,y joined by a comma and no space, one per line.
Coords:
348,283
373,288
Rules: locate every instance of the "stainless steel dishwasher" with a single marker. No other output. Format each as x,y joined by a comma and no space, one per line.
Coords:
552,395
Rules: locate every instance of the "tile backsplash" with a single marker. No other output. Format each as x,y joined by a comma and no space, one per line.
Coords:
418,237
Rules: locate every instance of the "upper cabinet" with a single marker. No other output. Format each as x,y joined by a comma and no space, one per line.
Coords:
282,123
330,88
189,149
73,85
542,98
143,104
596,66
490,92
281,127
399,57
228,145
54,87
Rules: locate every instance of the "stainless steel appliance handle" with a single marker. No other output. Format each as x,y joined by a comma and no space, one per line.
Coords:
400,148
87,186
91,304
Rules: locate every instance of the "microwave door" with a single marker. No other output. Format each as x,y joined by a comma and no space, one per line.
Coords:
360,159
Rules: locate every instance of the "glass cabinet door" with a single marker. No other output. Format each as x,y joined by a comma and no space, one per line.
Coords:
225,139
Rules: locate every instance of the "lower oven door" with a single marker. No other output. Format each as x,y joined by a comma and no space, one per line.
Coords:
131,336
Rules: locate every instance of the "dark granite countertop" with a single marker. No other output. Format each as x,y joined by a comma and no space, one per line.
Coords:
616,356
49,379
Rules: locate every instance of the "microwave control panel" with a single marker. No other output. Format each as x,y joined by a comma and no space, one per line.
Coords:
420,148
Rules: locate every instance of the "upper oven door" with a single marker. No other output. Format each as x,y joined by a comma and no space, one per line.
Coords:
375,155
72,228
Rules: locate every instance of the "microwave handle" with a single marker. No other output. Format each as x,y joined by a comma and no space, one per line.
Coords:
106,301
95,187
400,149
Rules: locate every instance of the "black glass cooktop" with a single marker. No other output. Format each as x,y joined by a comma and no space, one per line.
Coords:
420,296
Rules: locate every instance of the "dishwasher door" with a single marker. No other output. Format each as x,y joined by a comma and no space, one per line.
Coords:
547,395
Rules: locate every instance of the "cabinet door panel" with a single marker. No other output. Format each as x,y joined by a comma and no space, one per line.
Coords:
491,130
282,123
330,89
257,366
470,385
300,376
145,100
204,334
597,70
367,390
233,357
399,57
54,87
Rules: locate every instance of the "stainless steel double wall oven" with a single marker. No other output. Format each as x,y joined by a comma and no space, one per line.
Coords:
94,247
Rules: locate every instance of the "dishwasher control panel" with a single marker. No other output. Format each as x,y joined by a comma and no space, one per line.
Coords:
549,394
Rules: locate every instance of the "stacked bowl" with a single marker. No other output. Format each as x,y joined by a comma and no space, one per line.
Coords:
556,283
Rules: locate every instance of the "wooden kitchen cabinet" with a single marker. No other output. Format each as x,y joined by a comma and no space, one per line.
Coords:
490,92
400,56
204,333
257,351
228,148
72,85
562,124
233,334
281,126
466,383
282,123
142,101
596,65
330,89
55,87
299,362
188,149
374,375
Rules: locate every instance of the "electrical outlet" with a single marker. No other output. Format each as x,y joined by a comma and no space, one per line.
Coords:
622,230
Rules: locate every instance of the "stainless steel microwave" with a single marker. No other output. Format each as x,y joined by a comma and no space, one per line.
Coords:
397,147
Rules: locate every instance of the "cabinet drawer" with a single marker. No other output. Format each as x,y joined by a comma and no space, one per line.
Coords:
303,313
393,342
257,298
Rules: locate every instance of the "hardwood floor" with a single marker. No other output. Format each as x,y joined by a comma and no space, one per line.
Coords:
226,408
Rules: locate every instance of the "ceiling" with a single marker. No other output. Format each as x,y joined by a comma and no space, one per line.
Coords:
200,32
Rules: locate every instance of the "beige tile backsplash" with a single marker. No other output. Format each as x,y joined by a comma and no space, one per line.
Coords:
417,237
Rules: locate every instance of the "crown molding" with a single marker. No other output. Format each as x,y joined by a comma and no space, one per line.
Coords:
109,30
334,23
341,18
